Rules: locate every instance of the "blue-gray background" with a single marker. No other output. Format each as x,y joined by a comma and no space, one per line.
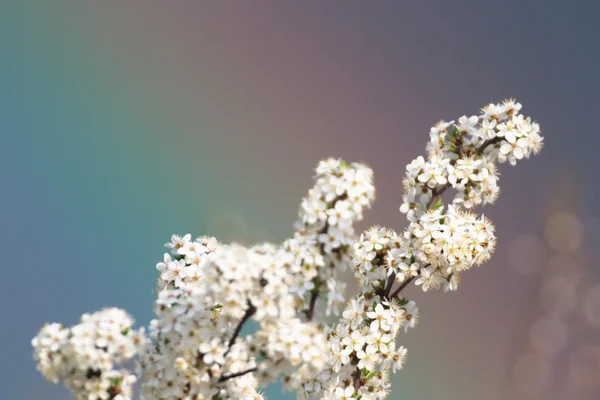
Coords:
123,123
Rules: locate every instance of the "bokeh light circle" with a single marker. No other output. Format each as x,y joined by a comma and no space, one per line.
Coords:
532,373
558,295
526,254
584,368
564,232
591,306
565,265
548,335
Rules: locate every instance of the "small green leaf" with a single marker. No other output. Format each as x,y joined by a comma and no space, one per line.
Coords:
372,374
438,203
455,131
115,381
403,301
125,331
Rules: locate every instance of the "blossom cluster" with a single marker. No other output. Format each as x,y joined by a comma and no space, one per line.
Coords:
88,357
322,244
438,245
362,346
183,266
198,351
210,290
463,156
210,294
446,245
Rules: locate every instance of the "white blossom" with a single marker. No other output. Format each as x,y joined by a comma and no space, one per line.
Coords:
199,346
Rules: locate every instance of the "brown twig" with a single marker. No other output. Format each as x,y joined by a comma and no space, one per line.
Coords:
237,374
357,376
494,140
435,194
389,284
404,284
314,294
249,312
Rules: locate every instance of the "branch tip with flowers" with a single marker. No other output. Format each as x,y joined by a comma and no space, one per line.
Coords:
208,291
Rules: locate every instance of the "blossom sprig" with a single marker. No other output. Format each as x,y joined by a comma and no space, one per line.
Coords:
89,358
362,346
463,156
439,244
267,284
209,292
183,266
198,328
446,245
188,357
325,233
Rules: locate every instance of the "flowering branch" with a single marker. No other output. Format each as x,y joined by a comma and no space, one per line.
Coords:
389,284
249,313
489,142
237,374
208,291
402,286
314,295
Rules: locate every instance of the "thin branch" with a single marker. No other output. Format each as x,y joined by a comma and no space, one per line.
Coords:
459,145
314,294
237,374
494,140
249,312
357,376
404,284
389,284
437,193
313,302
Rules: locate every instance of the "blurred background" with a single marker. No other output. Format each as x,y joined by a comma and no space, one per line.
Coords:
121,123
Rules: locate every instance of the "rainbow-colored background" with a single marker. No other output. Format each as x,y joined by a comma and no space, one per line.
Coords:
121,123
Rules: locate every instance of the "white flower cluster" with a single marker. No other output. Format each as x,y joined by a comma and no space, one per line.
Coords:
184,269
87,358
446,245
433,251
322,245
464,155
209,292
185,362
198,352
372,259
362,346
